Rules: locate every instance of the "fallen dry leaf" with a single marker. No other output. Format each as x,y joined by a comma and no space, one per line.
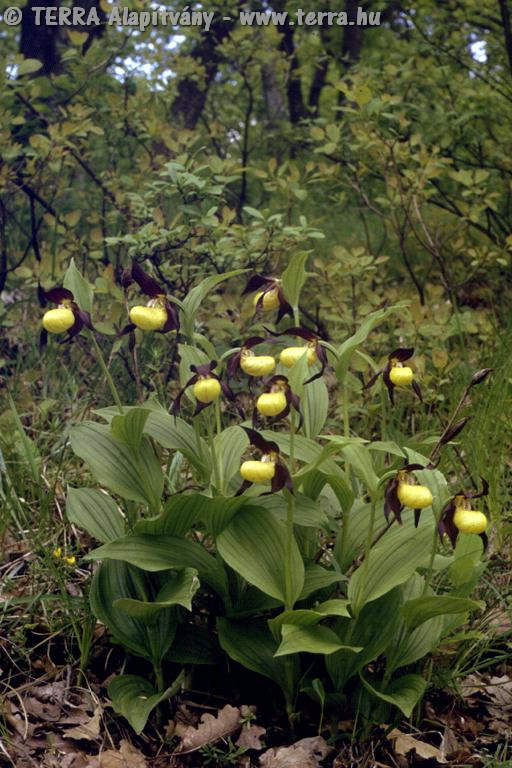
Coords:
305,753
209,730
250,737
403,743
89,730
126,757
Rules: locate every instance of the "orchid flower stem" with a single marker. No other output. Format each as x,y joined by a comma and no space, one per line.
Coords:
217,417
296,316
366,561
215,461
103,366
346,417
430,570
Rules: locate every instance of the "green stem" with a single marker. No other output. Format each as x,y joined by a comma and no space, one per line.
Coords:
346,417
217,416
289,525
430,570
296,316
103,366
366,561
215,461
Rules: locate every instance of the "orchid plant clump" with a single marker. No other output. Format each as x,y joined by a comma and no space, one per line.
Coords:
322,580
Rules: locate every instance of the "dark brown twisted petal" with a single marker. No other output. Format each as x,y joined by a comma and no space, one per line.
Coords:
485,540
295,401
477,494
412,467
257,281
173,321
146,283
446,524
204,369
233,365
389,384
417,515
84,316
177,402
41,295
401,354
454,430
322,356
126,277
417,390
259,442
58,294
277,379
303,333
245,485
229,394
479,376
391,502
129,328
373,379
281,479
284,306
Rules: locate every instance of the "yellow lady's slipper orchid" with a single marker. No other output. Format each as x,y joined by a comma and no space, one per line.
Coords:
414,496
58,320
207,390
257,365
291,355
469,520
258,471
148,318
70,559
57,552
401,376
271,403
269,301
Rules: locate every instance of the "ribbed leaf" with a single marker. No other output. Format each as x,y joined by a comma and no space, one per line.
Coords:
182,510
197,295
420,609
95,512
134,698
254,545
397,555
252,645
315,406
294,277
159,553
404,692
79,287
310,639
178,590
129,426
316,577
114,581
229,447
134,475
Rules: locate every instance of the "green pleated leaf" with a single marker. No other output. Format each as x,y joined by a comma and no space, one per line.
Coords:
179,589
251,644
160,553
194,645
350,543
360,460
254,545
182,510
404,692
95,512
294,277
305,450
79,287
229,447
129,426
307,512
374,630
349,346
176,435
393,560
316,577
306,617
420,609
198,294
114,581
134,475
134,698
310,639
315,404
